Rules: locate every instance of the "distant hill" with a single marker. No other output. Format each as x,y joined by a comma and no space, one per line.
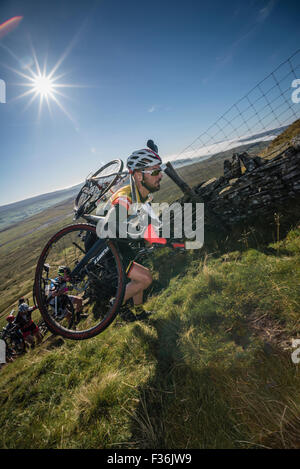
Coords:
18,211
250,143
282,141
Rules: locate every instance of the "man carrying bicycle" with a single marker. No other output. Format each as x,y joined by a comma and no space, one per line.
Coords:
145,167
95,254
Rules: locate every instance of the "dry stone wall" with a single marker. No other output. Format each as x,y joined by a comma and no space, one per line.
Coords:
266,186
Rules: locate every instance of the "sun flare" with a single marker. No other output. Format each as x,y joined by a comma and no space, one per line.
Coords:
43,85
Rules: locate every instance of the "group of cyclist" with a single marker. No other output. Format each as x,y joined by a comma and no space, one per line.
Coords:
22,326
145,168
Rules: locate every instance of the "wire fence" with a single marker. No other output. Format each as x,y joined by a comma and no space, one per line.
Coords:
260,115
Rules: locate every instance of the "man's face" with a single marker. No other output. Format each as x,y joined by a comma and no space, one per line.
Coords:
66,276
152,181
63,278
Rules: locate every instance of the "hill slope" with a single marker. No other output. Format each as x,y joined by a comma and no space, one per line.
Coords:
20,248
281,142
211,369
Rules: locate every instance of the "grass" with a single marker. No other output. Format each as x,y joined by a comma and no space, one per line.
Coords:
199,374
282,141
20,249
69,395
211,368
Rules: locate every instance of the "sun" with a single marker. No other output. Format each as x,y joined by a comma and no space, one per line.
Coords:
43,85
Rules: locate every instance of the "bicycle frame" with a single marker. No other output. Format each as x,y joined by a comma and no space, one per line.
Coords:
98,248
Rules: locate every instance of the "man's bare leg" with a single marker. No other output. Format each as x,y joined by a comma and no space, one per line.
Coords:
140,278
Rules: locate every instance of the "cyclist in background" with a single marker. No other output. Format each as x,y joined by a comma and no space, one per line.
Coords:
12,329
10,322
11,325
59,287
28,328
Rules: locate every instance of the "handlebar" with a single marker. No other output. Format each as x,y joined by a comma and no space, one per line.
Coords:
170,244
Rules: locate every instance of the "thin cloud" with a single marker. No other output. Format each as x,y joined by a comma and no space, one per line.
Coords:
253,27
266,11
152,109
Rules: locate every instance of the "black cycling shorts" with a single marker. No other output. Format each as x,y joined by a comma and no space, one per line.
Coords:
127,255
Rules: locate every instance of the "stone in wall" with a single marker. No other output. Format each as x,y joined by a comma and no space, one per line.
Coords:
250,163
236,170
227,169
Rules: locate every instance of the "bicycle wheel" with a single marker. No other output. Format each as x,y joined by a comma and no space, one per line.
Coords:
98,287
93,190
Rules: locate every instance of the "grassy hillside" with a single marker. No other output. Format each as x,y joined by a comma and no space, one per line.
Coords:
20,247
281,142
211,369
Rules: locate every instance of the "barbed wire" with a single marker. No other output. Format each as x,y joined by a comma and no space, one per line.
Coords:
262,113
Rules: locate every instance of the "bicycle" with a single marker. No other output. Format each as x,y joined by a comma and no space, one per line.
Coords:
96,186
14,340
97,272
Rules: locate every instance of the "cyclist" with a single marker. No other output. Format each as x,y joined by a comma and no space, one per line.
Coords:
145,167
28,328
59,287
10,319
6,331
12,328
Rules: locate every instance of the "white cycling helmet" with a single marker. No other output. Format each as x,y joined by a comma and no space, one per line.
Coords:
143,159
23,308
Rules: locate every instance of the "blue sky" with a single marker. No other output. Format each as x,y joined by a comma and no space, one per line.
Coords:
162,69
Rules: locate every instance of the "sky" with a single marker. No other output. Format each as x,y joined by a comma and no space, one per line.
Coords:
127,71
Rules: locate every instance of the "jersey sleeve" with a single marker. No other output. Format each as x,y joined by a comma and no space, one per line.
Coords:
122,200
